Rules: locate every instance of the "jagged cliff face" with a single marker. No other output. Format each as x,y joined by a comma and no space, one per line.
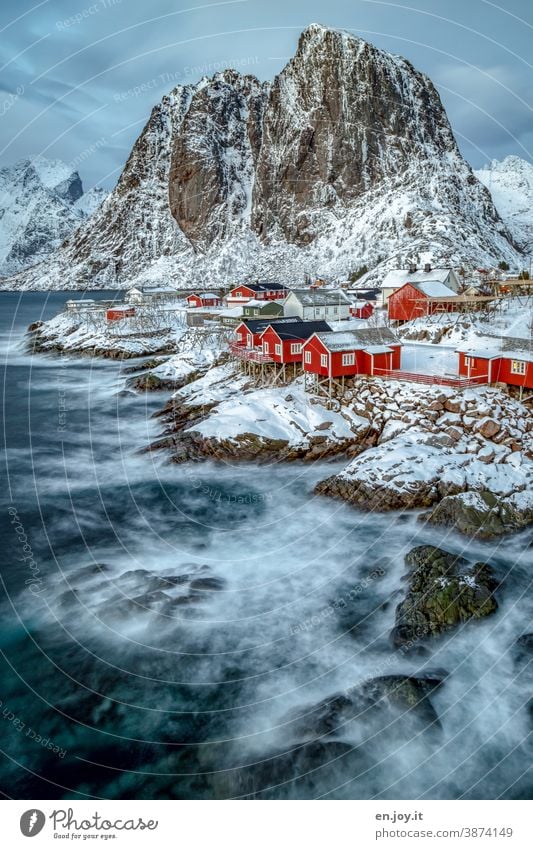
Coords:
214,156
342,118
346,158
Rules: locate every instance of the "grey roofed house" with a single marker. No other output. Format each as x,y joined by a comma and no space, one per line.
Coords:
320,297
356,340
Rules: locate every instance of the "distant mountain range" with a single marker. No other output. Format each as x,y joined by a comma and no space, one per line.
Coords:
346,159
510,183
41,202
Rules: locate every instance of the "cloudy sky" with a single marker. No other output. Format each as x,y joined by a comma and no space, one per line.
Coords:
78,78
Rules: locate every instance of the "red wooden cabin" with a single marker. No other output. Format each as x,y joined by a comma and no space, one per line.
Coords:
283,343
204,299
248,332
512,367
119,313
257,291
414,300
367,351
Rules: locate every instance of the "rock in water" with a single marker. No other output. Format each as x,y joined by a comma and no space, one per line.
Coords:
482,514
444,591
388,702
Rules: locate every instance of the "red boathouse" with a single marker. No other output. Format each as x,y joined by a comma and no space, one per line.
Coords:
366,351
204,299
414,300
119,313
513,367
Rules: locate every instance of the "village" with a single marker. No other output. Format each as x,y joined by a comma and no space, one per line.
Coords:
330,333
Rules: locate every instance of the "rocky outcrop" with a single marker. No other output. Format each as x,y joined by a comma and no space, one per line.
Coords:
213,157
482,514
444,591
388,699
435,445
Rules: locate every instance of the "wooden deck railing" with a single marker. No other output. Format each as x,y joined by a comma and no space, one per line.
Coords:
254,355
430,379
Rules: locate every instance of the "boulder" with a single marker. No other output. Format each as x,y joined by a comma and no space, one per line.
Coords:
482,514
488,428
385,701
443,592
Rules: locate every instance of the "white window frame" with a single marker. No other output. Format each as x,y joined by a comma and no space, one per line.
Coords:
249,340
265,347
323,360
518,367
308,357
278,349
296,348
348,359
469,361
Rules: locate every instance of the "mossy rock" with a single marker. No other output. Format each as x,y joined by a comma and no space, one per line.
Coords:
444,592
480,514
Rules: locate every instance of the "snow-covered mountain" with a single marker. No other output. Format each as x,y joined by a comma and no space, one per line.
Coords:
41,202
510,183
346,159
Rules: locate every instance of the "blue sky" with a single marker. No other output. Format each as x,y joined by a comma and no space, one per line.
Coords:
78,78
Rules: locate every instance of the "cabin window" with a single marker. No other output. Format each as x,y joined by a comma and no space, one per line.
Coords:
308,356
296,347
348,359
323,360
278,350
249,340
265,347
518,367
335,310
239,337
470,362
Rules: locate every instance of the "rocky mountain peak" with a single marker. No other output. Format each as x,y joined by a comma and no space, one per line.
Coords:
346,158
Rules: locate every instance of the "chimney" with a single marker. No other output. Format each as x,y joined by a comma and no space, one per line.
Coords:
427,267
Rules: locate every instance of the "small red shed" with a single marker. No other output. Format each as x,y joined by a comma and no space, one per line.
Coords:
414,300
361,309
345,354
119,313
284,342
204,299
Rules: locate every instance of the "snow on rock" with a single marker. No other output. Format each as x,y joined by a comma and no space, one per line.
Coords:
41,203
279,414
510,183
66,333
346,158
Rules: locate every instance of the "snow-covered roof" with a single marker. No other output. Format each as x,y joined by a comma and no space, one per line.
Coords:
434,289
203,295
400,276
493,354
320,297
156,290
231,313
377,349
357,340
